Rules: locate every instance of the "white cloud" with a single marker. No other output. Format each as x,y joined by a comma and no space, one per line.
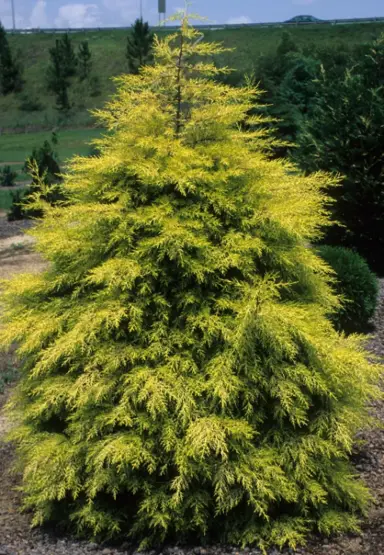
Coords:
38,17
239,20
78,15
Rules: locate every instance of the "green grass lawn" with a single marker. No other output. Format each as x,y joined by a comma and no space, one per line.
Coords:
17,147
108,58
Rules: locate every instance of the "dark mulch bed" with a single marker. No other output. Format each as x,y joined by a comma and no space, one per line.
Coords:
9,229
16,537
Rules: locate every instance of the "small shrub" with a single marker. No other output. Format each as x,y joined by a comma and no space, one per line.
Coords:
356,283
7,177
16,212
47,160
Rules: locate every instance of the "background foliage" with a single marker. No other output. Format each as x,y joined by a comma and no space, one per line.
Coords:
356,284
109,59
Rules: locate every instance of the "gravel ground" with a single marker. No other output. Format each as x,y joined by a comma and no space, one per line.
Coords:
16,537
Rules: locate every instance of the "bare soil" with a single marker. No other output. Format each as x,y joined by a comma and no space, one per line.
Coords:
16,536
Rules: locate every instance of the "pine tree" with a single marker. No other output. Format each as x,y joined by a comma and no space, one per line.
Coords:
63,62
84,60
47,160
139,46
7,176
58,77
10,72
68,56
287,45
43,166
62,99
179,375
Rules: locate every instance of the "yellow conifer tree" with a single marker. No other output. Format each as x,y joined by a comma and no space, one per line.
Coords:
179,374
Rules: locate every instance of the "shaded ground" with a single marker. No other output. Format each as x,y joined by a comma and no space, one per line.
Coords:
16,538
12,229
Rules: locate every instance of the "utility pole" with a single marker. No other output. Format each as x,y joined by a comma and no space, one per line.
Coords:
13,14
141,10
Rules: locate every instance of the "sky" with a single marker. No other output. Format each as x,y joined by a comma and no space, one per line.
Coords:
105,13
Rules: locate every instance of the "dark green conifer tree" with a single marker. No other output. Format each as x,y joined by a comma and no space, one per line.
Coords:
58,77
139,46
10,71
345,134
7,176
43,166
84,57
68,56
287,44
179,375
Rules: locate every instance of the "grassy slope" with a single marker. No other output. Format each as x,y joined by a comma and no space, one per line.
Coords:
108,50
17,147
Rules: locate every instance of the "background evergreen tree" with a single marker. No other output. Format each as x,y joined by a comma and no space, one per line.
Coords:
287,45
7,176
345,134
180,376
58,77
84,60
43,166
139,46
47,160
10,70
68,56
289,78
16,210
62,99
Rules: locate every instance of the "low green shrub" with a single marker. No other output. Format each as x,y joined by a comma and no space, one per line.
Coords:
356,283
7,177
16,211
